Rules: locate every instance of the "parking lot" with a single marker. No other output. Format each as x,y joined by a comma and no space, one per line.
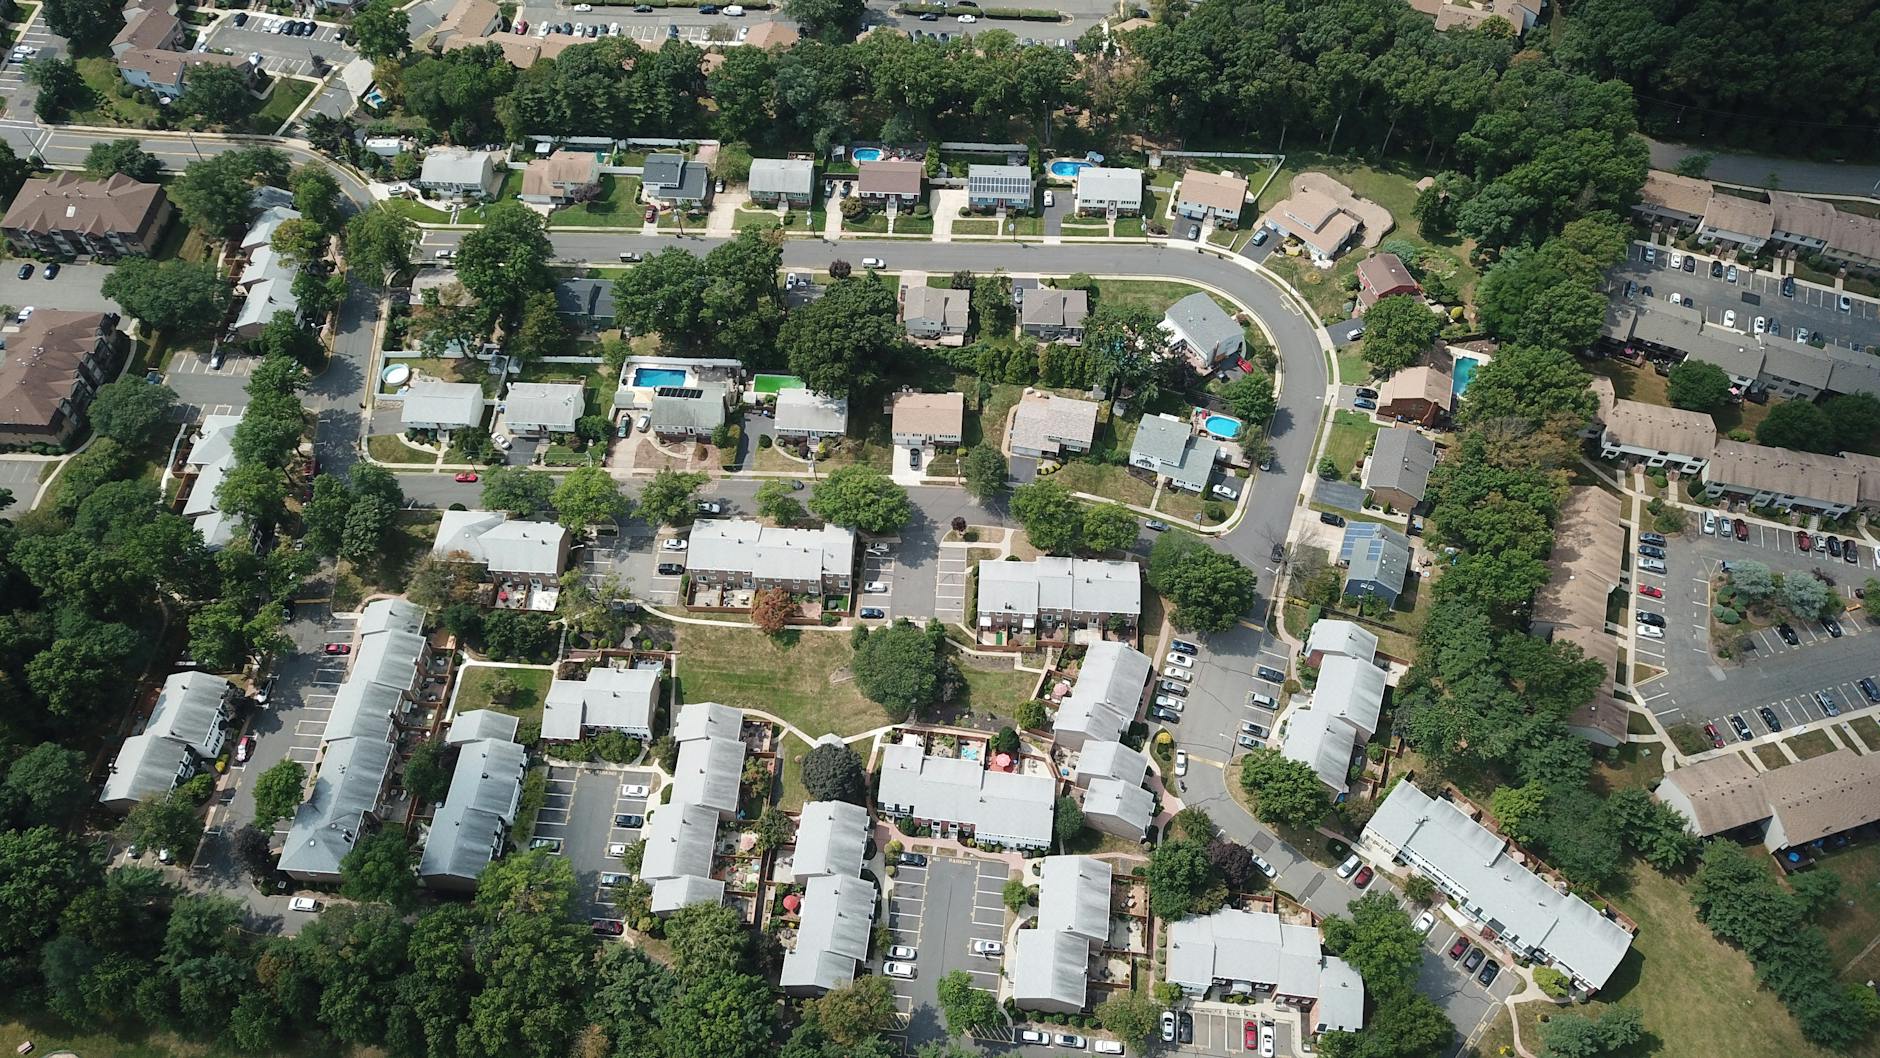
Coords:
1755,294
583,818
939,910
14,91
79,287
878,569
1216,703
281,54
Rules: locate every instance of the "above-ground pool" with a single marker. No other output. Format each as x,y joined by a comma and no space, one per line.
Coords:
866,154
1464,372
655,377
1067,168
396,375
1224,427
775,383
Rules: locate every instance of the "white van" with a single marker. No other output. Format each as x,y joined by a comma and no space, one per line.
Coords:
734,11
1108,1047
873,262
1710,523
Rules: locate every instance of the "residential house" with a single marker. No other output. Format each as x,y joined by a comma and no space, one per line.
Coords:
669,179
1803,225
1109,192
1106,698
506,547
990,188
932,312
1115,802
67,215
832,934
681,834
1781,478
1383,275
960,798
921,420
1342,714
1057,598
474,724
266,281
1782,366
1471,865
543,409
167,72
1046,424
149,28
49,371
589,303
689,413
458,172
807,416
1660,437
210,459
1317,221
1202,195
470,831
1583,570
831,838
1398,470
1053,315
468,21
1050,962
1167,447
562,179
186,731
1376,560
1743,222
774,35
442,406
890,182
1329,638
742,554
783,181
1248,953
1473,14
1200,330
1676,201
606,699
1786,808
1421,394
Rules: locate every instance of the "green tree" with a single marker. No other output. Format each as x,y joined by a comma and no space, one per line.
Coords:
277,791
1109,527
1130,1016
1752,580
1698,386
840,344
985,472
218,93
1250,397
126,157
720,1015
1210,589
1809,597
298,240
1052,518
254,492
170,822
832,21
854,1014
590,496
667,498
542,331
179,297
1376,937
832,772
1031,715
505,260
1015,895
214,193
131,411
517,490
381,30
776,500
1853,419
1397,331
378,244
425,774
863,498
1182,880
966,1008
379,867
41,871
706,938
83,21
44,786
1286,792
59,84
1067,821
899,668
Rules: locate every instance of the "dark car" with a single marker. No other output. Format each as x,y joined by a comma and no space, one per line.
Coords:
1260,237
1367,393
1652,538
1461,945
643,9
1364,403
1850,553
1489,972
1716,269
52,270
1788,286
1651,551
1833,626
1787,632
1769,718
1690,264
1741,727
1186,1032
1742,530
26,271
1834,546
1716,737
629,821
1184,647
1179,690
1269,674
241,18
930,17
607,927
670,569
912,859
1646,617
1473,959
873,613
708,9
1336,520
1869,688
1164,714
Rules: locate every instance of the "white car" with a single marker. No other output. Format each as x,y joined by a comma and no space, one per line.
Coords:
613,29
1266,1039
1729,317
1729,274
1265,868
874,262
613,878
584,7
874,587
26,314
1033,1036
1049,199
1650,632
898,969
1168,1026
1069,1040
542,30
1174,673
1181,762
988,947
1425,922
1350,866
902,952
673,543
877,549
734,11
1108,1047
1652,565
1169,701
1675,298
1176,657
1677,259
967,20
743,32
303,903
617,850
1224,491
634,789
1761,324
502,441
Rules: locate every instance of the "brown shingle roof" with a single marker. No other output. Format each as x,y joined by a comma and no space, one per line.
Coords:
889,178
772,35
168,67
1856,235
1725,792
1589,545
1418,383
546,176
1808,217
1661,429
1384,271
1827,479
1682,194
39,369
929,414
1214,190
1825,795
1745,216
151,29
69,202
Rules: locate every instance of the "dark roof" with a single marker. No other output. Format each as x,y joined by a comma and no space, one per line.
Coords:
39,369
592,298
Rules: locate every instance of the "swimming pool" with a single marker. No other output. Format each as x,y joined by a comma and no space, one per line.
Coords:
866,154
655,377
1068,169
1224,427
775,383
1463,374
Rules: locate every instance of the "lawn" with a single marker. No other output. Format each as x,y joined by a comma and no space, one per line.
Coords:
479,682
909,224
412,536
1868,729
1353,368
1324,288
791,795
1629,765
1352,433
1154,295
994,690
100,75
1771,757
617,207
411,209
875,223
1115,483
993,415
1814,743
285,98
391,448
1856,923
975,227
801,676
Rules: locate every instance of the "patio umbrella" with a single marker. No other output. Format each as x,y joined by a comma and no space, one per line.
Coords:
792,902
1002,761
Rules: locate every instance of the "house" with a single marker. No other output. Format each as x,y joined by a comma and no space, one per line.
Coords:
1781,478
932,312
776,35
1255,953
167,72
469,832
897,182
747,555
1376,560
1398,470
808,416
991,188
1167,447
468,20
507,547
467,727
442,406
1782,366
49,371
1050,962
1109,191
689,413
680,836
785,181
1316,220
1329,638
149,28
1058,597
187,730
1422,394
1200,330
457,172
831,838
709,772
669,179
1107,695
1660,437
1583,570
266,281
1744,222
1115,802
1472,866
562,179
606,699
1676,201
924,419
589,303
1053,315
1383,275
1341,717
1046,424
961,798
832,934
1787,808
1473,14
1203,195
540,409
67,215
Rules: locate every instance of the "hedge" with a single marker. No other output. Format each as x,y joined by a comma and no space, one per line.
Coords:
1025,14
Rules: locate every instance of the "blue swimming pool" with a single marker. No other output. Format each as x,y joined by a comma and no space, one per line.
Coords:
866,154
1464,373
1222,426
1067,169
655,377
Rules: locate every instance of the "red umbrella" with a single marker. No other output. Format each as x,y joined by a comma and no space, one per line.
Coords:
792,902
1002,761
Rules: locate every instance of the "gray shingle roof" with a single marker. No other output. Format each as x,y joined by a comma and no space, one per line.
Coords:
832,936
942,308
830,839
468,832
695,409
1203,321
1109,688
1250,947
1107,758
1402,459
1349,638
391,615
589,298
617,699
1174,449
707,720
1113,803
1052,583
146,766
671,894
1323,741
782,176
190,710
345,792
679,839
803,411
662,170
1002,807
1049,968
1052,307
709,773
553,406
741,545
482,723
1375,553
503,544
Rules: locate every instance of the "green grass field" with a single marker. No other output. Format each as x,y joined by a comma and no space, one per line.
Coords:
617,207
286,97
480,682
1351,434
802,676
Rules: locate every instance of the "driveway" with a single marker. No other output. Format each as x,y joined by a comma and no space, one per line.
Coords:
21,478
78,288
204,389
939,910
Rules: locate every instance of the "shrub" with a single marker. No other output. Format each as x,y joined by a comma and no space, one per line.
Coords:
1725,615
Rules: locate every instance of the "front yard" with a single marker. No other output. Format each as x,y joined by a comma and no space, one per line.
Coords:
285,98
617,207
1352,433
518,692
391,448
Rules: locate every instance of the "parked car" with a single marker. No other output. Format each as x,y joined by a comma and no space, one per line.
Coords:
1336,520
1833,626
1650,631
1184,646
1652,565
244,749
1364,876
1716,737
52,270
26,271
673,543
1167,716
1174,673
1741,727
1651,551
613,878
1367,393
339,648
875,587
1364,403
1262,701
1176,657
711,507
1350,866
903,970
607,927
1651,591
1729,273
299,903
1170,687
912,859
1690,264
1473,959
873,613
634,789
1260,237
1186,1033
1181,762
670,569
1845,304
1169,702
1802,540
1787,632
1788,286
902,952
1769,718
873,262
1269,674
1742,530
629,820
988,947
1649,618
652,212
1869,688
1261,864
1168,1026
1489,970
1067,1040
466,477
1225,491
1827,703
1461,945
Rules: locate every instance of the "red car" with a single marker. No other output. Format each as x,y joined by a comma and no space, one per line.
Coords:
244,749
608,927
1251,1037
1651,592
1803,541
339,648
1715,738
1247,366
467,477
651,215
1364,876
1461,945
1742,529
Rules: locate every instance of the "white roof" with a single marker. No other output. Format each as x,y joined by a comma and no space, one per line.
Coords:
1049,967
481,723
1124,803
671,894
456,166
1111,760
1349,638
1074,897
448,404
1351,689
389,658
830,839
146,766
679,839
1322,740
1003,807
1108,691
1078,585
832,936
202,499
190,710
391,615
217,435
620,699
707,720
1248,947
744,546
503,544
804,411
1106,184
467,833
709,773
553,406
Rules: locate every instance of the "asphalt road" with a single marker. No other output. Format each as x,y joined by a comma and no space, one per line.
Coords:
1792,174
939,910
1755,294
